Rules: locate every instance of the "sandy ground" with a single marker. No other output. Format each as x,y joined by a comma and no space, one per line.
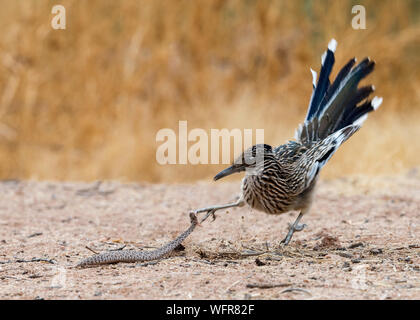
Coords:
361,242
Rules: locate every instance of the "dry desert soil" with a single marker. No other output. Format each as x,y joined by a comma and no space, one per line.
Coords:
362,241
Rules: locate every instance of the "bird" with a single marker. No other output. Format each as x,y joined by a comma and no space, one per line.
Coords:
283,178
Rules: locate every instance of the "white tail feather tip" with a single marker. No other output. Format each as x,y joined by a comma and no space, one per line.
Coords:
376,102
314,75
332,45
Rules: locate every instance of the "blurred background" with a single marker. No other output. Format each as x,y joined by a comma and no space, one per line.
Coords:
86,103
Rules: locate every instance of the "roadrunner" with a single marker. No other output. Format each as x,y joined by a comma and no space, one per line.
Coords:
282,179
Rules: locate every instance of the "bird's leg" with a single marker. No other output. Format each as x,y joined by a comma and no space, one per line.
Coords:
292,228
211,210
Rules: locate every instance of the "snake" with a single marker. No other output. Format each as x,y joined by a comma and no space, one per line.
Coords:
130,256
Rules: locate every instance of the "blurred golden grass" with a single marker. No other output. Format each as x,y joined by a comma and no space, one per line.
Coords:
86,102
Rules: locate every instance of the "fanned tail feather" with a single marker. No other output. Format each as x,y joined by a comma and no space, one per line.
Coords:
335,106
321,87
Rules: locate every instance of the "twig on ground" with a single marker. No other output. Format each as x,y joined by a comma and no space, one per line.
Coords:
35,260
266,285
251,252
120,248
150,263
232,285
203,261
36,234
95,252
296,289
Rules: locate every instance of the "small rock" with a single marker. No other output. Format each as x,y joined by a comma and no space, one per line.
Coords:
259,263
356,245
180,247
341,249
376,251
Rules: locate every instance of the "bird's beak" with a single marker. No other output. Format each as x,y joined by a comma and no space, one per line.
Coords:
228,171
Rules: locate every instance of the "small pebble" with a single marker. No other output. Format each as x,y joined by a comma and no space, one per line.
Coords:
356,245
376,251
259,263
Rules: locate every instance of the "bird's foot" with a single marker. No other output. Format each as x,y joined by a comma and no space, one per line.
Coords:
210,212
292,230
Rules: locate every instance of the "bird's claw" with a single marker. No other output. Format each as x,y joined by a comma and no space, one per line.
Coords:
209,213
292,229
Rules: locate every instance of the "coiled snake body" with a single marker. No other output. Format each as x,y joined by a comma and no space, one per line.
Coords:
137,256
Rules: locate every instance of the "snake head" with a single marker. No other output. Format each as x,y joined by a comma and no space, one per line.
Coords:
193,218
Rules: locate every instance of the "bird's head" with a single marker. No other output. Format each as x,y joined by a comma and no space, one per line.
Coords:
250,160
